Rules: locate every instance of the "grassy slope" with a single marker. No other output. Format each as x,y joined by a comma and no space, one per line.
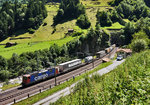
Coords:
25,47
44,34
128,84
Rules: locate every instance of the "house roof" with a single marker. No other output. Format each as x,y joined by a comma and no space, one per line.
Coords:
106,59
10,43
101,52
70,30
125,50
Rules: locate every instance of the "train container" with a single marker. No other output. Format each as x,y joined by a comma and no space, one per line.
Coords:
88,59
100,54
38,76
69,65
114,45
111,48
107,50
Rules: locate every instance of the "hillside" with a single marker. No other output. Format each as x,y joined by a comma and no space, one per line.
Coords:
128,84
44,33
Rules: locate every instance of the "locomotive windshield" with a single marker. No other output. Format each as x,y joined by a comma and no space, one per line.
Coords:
25,78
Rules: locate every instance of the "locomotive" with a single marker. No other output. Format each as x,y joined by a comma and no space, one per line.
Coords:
37,76
34,77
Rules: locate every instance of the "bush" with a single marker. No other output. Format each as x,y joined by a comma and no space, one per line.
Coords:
103,18
31,31
139,45
4,75
77,33
44,24
83,22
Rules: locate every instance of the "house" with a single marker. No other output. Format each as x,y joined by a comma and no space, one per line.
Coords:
70,30
105,60
9,44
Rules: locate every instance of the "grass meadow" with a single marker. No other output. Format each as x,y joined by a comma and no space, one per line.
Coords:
30,47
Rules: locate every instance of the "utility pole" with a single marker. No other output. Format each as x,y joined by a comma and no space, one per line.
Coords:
93,62
55,72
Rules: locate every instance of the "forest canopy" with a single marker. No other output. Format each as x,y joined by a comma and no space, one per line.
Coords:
15,16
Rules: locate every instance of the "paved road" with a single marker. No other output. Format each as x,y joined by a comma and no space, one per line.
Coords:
54,97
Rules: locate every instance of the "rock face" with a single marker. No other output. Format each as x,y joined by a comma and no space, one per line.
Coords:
17,80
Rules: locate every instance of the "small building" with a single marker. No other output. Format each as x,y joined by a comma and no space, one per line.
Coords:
9,44
124,52
70,30
105,60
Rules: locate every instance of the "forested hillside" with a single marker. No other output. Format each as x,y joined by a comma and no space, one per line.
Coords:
18,16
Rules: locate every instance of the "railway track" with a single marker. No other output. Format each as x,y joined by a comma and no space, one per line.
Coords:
19,93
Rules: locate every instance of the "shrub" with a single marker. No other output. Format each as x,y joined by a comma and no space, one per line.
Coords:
4,75
83,22
44,24
139,45
77,33
103,18
31,31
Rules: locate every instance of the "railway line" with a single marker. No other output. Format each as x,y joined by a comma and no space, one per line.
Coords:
19,92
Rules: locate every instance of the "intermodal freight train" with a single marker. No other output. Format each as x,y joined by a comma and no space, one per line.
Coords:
50,72
35,77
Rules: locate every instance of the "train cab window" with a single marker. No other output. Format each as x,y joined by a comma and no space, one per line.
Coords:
24,78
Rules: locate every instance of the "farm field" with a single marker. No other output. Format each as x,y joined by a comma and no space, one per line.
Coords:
91,3
115,25
30,47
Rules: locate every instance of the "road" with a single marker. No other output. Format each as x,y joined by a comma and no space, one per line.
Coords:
54,97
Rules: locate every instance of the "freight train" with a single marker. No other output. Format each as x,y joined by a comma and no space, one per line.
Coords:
50,72
35,77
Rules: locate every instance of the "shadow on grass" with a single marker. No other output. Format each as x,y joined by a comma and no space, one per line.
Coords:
62,21
20,32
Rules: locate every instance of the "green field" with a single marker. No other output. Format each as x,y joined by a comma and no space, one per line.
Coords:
115,25
30,47
91,3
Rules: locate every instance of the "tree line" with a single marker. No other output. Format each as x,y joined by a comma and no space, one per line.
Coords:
15,16
133,9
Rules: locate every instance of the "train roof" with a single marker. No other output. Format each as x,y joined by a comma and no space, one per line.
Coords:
40,71
69,62
88,57
27,75
102,51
